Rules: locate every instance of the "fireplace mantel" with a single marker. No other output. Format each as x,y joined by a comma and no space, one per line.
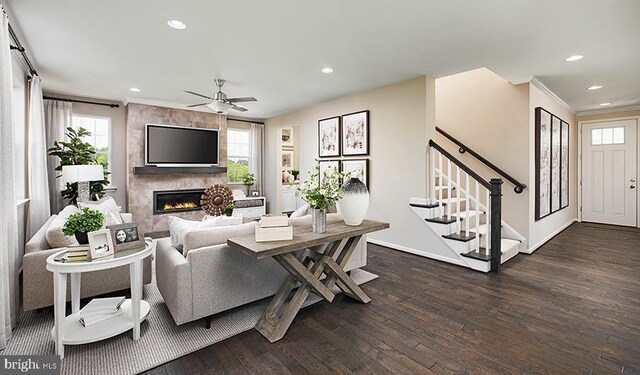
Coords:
178,170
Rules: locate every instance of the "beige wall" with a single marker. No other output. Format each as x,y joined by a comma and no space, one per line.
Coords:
118,177
401,122
542,230
609,115
490,115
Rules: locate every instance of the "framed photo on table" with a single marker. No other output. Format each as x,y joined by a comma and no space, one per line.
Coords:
355,134
356,168
327,168
100,244
126,236
329,137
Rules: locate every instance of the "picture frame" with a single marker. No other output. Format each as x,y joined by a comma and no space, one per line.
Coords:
556,125
358,168
255,193
126,236
329,137
100,244
355,134
325,167
564,165
287,160
287,137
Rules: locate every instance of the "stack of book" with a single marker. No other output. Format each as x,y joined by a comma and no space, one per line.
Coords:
77,253
101,309
274,228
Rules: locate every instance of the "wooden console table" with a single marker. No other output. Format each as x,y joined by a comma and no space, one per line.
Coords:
328,256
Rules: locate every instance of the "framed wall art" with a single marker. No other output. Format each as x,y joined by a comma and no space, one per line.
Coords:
358,168
564,165
556,124
327,167
287,137
355,134
329,137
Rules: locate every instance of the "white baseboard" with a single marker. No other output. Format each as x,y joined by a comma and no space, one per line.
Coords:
417,252
531,249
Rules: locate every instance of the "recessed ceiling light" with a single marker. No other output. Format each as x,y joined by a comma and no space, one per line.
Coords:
595,87
134,89
574,58
178,25
605,104
327,70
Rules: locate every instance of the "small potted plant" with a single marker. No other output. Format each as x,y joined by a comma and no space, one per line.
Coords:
228,210
248,180
295,174
80,224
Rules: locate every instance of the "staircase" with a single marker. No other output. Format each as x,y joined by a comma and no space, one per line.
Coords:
465,211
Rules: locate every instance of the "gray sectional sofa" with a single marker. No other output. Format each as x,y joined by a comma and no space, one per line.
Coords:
207,277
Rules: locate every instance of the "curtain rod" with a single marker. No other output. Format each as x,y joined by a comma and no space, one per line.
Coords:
18,47
111,105
251,122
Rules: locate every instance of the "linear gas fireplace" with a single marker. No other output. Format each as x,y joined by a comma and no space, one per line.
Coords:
176,201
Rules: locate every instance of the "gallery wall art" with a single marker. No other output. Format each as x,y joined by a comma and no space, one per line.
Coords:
355,134
329,137
552,163
327,168
356,168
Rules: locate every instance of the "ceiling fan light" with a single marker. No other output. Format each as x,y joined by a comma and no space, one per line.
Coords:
219,107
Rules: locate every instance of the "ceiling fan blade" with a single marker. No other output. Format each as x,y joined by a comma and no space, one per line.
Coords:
239,108
198,105
200,95
242,100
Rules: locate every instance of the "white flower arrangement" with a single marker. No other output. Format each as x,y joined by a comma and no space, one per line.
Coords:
322,194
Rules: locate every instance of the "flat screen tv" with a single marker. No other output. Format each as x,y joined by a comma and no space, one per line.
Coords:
176,146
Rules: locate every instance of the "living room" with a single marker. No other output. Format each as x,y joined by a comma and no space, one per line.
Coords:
270,191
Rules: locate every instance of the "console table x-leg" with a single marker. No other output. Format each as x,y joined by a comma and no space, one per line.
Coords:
307,273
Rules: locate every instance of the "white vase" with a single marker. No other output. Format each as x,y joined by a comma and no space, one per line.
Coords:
354,202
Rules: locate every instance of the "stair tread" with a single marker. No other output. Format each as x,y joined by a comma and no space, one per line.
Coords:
506,246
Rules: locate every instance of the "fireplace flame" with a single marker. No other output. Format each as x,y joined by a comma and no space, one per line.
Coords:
179,206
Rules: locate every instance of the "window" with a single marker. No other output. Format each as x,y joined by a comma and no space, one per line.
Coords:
607,136
238,144
100,138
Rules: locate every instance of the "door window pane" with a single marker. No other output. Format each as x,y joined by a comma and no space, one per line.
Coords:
607,136
596,136
618,135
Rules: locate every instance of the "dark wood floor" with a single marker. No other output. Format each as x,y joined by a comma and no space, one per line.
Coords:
571,308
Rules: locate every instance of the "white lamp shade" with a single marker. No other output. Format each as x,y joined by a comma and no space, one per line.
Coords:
219,107
81,173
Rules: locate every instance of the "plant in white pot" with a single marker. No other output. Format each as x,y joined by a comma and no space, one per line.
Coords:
321,193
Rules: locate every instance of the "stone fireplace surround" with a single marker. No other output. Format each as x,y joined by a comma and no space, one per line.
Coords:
140,187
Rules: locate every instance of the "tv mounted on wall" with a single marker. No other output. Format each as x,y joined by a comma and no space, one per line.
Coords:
177,146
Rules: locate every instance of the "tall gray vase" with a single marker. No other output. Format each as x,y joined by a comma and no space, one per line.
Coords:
354,202
318,220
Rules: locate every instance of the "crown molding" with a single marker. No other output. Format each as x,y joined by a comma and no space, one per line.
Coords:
609,110
542,87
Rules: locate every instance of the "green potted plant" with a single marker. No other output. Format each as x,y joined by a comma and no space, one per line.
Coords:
75,151
295,173
248,180
321,192
82,223
228,210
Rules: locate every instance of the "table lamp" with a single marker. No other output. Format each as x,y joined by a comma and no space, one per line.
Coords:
83,175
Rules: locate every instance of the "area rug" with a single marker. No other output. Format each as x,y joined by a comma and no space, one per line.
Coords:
161,341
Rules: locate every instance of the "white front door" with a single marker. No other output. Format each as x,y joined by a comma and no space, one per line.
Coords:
609,180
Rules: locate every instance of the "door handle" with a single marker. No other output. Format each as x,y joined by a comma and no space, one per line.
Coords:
632,187
632,180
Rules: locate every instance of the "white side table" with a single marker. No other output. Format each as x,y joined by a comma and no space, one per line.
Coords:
68,329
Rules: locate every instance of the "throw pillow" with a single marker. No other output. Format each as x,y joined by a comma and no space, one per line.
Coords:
205,237
178,228
300,212
55,237
104,205
220,221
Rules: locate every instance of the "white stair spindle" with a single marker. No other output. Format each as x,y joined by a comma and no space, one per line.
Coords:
488,225
477,217
448,189
466,203
432,175
440,183
458,225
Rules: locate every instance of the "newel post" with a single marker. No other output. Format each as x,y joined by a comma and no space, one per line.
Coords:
496,223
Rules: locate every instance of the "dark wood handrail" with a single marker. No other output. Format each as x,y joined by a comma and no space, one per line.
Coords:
460,164
519,186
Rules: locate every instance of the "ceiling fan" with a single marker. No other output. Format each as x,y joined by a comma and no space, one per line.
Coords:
220,103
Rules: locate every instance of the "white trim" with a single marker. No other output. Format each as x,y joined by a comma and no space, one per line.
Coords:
609,110
22,202
531,249
417,252
542,87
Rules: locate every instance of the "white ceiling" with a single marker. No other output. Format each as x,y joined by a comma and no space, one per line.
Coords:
274,49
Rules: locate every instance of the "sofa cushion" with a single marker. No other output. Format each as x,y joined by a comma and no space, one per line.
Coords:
105,205
300,212
220,221
198,238
178,227
55,237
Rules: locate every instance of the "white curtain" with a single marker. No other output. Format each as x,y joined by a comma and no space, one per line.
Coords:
8,204
57,118
38,180
255,154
